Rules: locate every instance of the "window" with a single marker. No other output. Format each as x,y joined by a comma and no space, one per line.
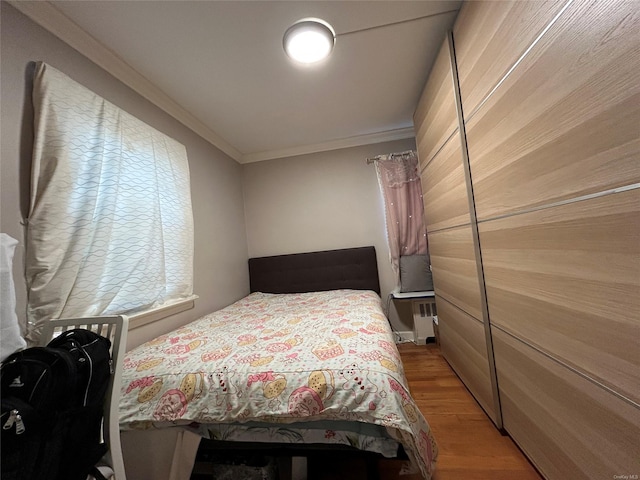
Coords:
110,227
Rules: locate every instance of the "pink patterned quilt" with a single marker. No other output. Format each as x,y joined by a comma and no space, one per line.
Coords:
279,359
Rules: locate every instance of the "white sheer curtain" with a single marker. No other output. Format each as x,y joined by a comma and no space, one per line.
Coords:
110,227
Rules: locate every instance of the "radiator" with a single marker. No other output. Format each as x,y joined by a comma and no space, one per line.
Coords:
423,313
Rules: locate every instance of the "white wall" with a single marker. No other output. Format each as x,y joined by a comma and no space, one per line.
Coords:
321,201
314,202
220,273
220,270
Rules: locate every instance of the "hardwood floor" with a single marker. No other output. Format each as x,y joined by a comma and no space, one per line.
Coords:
470,445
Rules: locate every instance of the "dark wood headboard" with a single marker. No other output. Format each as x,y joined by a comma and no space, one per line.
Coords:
353,268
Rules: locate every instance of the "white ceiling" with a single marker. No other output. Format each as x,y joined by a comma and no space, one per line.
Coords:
223,63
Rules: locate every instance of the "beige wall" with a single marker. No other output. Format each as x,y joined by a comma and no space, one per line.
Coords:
336,201
315,202
220,273
318,202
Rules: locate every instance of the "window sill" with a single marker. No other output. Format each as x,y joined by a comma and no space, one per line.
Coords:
143,318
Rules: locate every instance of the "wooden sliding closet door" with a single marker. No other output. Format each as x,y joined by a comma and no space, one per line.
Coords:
435,119
551,100
463,332
569,426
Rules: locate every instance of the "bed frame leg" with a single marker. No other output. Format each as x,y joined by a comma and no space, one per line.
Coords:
298,468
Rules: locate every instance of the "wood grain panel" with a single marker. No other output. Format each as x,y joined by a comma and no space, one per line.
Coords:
490,37
444,188
462,341
435,118
569,427
565,123
567,279
455,275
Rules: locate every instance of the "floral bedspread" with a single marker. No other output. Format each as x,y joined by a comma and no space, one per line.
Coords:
279,359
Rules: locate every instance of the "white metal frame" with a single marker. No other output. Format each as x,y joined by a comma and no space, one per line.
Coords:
115,329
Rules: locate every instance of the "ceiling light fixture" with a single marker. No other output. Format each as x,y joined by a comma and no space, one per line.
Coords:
309,40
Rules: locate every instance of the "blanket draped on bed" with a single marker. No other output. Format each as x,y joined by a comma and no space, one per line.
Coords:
279,359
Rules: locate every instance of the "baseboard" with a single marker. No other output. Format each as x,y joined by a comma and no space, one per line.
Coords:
404,336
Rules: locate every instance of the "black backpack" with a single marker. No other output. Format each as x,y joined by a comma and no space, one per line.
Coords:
52,408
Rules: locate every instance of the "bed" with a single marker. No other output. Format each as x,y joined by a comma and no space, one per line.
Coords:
307,358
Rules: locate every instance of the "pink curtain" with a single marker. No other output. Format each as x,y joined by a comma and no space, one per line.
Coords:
402,193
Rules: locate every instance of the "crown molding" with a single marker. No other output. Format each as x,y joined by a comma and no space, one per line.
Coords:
45,14
359,140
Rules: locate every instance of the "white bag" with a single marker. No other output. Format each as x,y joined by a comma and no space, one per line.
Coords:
10,338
